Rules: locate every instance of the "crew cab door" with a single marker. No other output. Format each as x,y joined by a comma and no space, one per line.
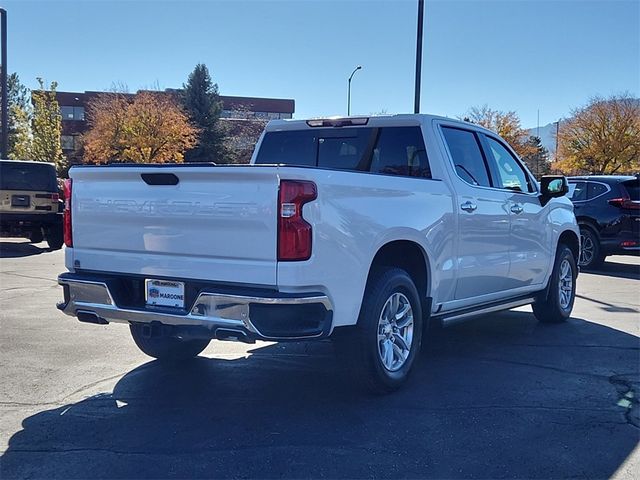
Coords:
530,237
483,218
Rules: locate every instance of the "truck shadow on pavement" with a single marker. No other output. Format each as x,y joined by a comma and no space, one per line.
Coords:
502,396
17,250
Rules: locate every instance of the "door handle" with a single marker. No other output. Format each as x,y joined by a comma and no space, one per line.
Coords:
468,206
516,209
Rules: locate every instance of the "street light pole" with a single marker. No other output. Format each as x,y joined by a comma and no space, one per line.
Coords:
4,143
557,135
416,103
349,89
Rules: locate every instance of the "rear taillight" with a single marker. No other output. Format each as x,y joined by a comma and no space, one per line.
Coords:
294,233
66,219
625,202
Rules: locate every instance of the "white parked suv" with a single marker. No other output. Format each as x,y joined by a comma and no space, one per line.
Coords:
362,229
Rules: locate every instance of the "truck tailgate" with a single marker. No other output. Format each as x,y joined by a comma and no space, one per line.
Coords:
217,223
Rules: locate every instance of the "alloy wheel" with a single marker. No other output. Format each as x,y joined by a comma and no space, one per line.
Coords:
565,284
395,332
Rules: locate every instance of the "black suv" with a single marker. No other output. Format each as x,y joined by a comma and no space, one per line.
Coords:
30,202
607,208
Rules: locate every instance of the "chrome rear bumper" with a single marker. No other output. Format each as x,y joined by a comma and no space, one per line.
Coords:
93,301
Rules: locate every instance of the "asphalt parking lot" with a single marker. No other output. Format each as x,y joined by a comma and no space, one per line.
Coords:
497,397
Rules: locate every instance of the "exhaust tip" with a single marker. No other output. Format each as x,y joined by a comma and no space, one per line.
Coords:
233,335
90,317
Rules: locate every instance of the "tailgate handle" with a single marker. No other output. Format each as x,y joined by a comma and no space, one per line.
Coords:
159,178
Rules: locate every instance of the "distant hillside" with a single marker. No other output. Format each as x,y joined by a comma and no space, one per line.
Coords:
547,136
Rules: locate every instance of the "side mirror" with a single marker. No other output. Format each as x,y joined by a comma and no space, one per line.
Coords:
553,186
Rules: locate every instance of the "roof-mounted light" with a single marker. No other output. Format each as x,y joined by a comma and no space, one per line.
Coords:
338,122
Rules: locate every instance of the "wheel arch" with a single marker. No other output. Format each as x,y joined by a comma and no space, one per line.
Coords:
571,240
589,223
411,257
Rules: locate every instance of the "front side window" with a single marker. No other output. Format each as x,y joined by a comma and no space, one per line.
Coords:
467,156
400,151
511,175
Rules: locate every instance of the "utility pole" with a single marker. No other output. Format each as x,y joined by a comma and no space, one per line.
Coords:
4,141
416,103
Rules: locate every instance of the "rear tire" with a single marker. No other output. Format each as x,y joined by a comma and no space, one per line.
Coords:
167,348
381,350
36,236
557,305
55,237
591,257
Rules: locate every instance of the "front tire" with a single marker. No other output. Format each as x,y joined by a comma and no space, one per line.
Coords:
166,348
557,305
381,350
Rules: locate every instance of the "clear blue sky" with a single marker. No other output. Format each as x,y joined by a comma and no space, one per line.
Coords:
512,55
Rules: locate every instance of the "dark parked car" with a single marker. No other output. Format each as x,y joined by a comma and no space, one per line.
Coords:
30,202
607,208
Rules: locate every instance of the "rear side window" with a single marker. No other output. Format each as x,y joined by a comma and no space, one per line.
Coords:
401,151
595,190
28,176
467,156
387,150
577,191
633,189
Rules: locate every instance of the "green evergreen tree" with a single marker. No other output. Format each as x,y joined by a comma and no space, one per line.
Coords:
538,159
19,113
202,102
46,125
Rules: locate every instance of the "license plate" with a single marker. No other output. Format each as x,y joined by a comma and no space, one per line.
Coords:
20,200
165,293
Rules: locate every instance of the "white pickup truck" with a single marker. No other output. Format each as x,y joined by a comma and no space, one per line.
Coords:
362,229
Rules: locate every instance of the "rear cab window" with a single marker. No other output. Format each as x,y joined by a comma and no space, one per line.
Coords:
385,150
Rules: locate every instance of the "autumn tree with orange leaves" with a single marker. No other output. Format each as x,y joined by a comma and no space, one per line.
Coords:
505,124
149,127
602,137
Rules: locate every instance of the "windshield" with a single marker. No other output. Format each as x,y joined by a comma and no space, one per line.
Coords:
27,176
